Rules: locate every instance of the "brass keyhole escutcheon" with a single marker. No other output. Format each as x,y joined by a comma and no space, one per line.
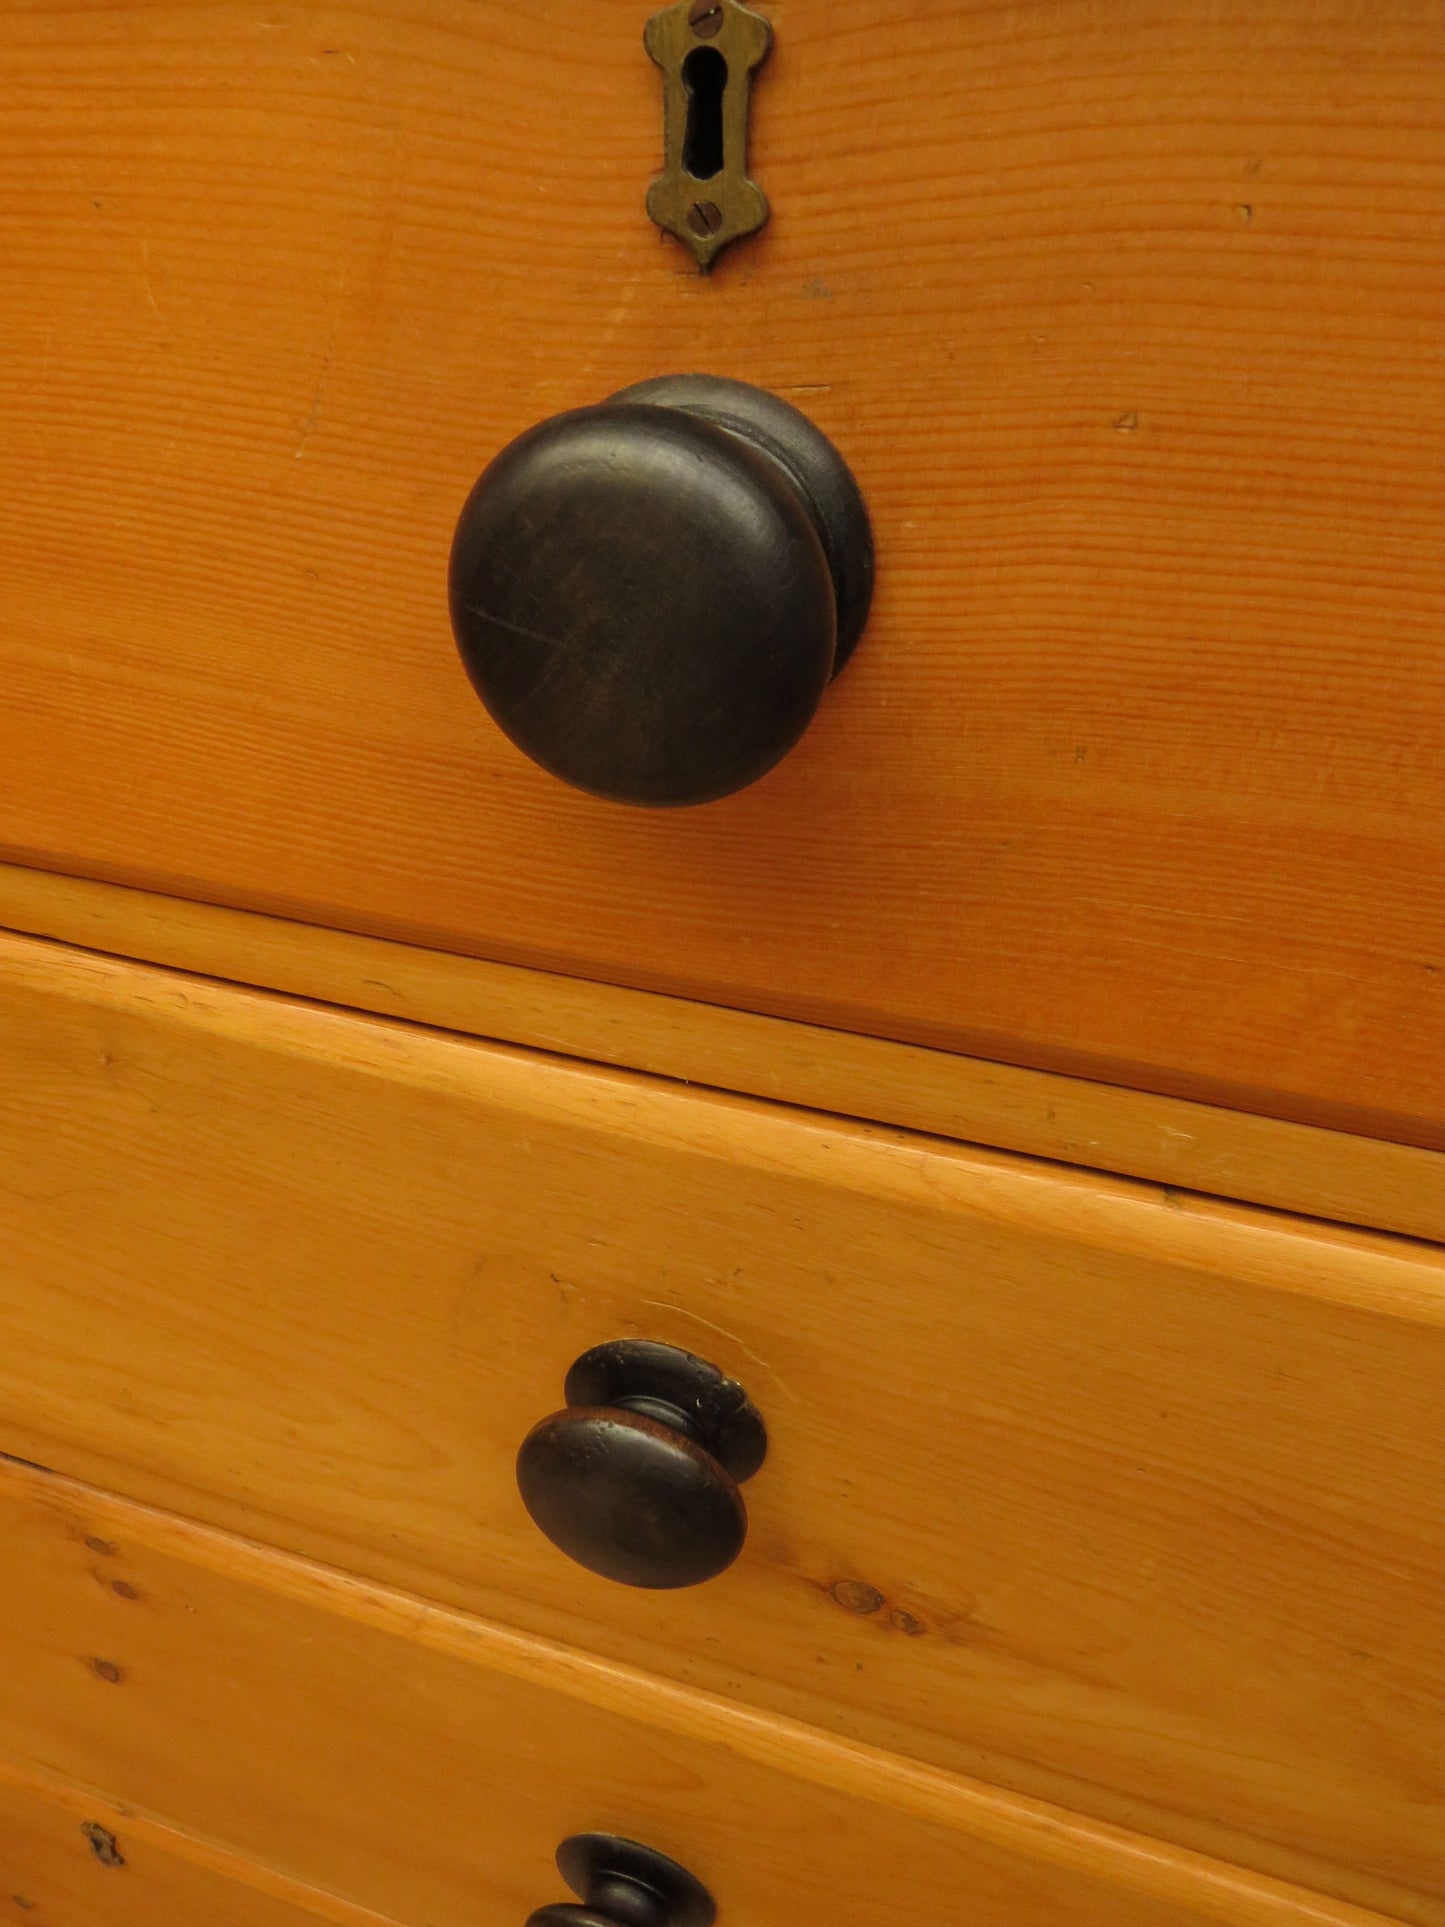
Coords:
708,51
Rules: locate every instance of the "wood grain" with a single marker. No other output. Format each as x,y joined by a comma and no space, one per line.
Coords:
1104,1494
1260,1160
146,1874
416,1759
1125,316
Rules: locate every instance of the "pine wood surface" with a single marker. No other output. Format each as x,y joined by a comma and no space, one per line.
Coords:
1107,1494
408,1757
1127,318
1260,1160
70,1857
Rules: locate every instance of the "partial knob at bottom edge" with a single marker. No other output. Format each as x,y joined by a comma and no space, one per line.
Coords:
621,1883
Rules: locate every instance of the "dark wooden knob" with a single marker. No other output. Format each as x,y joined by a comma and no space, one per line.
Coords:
622,1884
638,1479
651,596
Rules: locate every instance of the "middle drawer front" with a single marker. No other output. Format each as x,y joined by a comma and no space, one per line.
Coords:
1129,1502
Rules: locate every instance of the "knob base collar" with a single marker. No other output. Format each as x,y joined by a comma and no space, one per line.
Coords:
674,1387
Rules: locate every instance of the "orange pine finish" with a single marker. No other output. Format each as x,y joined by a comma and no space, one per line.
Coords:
1128,318
1198,1147
414,1759
1108,1495
73,1858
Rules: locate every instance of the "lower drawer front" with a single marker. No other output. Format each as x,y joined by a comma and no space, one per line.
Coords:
1116,1499
72,1858
427,1765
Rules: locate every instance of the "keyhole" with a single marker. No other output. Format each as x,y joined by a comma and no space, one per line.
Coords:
705,76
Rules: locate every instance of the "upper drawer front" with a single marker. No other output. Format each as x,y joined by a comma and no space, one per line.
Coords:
1126,318
1106,1496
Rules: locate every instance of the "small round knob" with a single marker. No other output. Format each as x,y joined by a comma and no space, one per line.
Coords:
651,595
638,1479
622,1884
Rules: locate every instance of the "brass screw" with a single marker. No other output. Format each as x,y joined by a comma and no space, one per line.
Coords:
704,217
705,17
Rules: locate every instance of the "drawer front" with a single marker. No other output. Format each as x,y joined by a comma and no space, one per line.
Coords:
1125,319
73,1858
428,1765
1095,1491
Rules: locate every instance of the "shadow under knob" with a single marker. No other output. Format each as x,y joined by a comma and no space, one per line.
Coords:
651,595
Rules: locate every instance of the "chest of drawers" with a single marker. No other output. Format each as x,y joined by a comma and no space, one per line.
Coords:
1027,1091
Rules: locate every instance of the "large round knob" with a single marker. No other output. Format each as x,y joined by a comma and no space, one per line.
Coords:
638,1479
622,1884
651,595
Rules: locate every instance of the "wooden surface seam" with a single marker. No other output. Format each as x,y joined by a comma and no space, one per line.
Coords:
1293,1167
1345,1265
135,1831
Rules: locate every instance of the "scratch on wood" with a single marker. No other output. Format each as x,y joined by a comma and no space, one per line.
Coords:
145,261
313,411
333,325
661,1304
